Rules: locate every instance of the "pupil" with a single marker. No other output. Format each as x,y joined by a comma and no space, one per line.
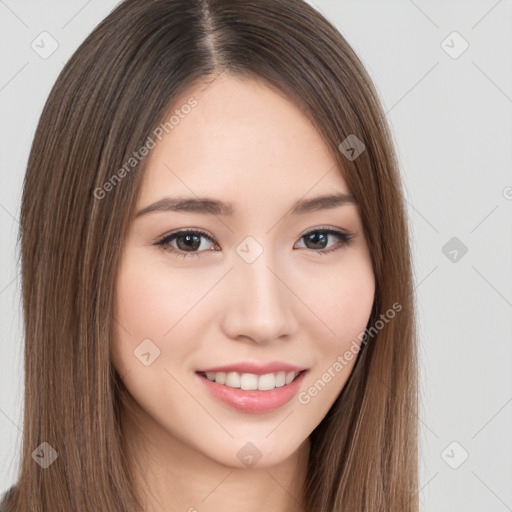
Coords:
196,242
314,238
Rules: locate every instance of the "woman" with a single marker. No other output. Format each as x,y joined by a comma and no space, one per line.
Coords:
216,272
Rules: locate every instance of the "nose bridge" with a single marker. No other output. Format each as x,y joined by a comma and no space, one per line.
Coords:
260,307
263,288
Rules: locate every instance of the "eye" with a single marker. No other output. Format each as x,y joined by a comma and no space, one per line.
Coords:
320,236
189,241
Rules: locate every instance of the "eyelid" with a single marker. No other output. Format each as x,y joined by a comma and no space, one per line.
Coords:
344,235
326,228
190,230
161,243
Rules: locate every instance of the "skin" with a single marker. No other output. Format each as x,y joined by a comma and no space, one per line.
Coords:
247,144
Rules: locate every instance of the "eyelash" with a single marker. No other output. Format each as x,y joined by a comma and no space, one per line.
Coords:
345,239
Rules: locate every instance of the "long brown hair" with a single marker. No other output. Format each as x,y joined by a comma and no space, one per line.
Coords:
111,94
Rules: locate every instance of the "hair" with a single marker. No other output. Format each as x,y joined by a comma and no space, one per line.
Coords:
112,93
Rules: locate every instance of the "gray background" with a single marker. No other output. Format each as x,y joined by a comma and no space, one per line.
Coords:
451,119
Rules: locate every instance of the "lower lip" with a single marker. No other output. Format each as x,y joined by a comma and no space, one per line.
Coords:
253,401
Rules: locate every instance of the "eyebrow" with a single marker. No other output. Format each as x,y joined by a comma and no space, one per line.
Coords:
206,205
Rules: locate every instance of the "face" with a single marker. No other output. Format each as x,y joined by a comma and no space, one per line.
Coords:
215,321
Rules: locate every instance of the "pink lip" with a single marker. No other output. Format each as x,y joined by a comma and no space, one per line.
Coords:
253,401
255,368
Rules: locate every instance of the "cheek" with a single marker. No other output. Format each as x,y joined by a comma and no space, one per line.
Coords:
154,303
346,304
152,300
343,302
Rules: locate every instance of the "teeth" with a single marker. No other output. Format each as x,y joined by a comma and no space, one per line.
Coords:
233,380
266,382
250,381
289,377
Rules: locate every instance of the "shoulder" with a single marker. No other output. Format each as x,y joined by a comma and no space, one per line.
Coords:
4,497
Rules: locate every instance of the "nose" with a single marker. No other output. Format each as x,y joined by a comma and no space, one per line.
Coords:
260,305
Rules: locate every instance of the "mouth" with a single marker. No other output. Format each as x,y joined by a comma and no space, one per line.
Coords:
252,381
252,392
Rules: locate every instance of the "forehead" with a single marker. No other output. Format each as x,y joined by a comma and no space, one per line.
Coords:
242,142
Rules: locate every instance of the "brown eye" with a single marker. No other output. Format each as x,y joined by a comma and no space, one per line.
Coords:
188,242
318,239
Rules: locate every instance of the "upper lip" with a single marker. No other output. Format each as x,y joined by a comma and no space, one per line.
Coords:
255,368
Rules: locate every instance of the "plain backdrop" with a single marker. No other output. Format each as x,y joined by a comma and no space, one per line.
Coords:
443,72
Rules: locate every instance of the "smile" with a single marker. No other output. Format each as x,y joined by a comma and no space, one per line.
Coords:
251,381
251,392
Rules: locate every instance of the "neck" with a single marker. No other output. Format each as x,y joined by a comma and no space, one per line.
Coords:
172,475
